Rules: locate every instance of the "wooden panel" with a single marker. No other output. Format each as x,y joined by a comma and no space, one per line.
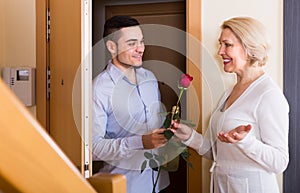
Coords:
31,162
41,64
193,68
146,9
292,90
65,59
107,183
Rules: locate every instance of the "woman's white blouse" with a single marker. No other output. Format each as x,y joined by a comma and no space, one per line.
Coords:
251,164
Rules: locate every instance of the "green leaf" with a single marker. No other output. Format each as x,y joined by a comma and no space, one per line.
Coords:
167,122
153,164
148,155
144,165
176,116
185,154
168,134
159,158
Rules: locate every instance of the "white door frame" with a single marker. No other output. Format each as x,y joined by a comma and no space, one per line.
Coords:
86,84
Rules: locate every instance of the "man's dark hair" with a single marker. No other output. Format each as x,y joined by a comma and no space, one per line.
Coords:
117,22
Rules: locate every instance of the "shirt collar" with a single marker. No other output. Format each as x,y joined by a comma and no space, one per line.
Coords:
114,72
117,74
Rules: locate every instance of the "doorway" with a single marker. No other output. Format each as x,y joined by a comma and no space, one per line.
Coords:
161,60
65,76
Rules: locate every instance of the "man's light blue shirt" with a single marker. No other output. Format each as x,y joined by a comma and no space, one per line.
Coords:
122,112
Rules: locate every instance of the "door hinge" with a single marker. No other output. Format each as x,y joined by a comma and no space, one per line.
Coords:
86,167
48,83
86,170
48,25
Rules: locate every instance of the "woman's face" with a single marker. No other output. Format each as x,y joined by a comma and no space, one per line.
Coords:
233,53
130,47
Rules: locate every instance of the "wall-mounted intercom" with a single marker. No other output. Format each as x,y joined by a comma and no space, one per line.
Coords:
22,83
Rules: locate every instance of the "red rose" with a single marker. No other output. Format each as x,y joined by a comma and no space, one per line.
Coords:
186,80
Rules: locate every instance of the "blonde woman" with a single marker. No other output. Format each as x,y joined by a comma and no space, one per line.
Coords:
248,132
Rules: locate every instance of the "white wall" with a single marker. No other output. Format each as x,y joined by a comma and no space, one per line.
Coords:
214,12
17,36
19,27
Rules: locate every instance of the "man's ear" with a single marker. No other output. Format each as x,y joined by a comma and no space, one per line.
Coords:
112,47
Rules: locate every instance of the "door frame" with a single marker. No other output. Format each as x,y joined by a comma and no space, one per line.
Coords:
193,25
193,28
86,87
147,14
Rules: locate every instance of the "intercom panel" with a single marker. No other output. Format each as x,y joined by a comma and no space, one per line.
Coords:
22,83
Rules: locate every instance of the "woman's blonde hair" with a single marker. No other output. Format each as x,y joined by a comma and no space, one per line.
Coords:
252,35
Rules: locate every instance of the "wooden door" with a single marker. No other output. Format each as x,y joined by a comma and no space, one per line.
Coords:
65,59
62,55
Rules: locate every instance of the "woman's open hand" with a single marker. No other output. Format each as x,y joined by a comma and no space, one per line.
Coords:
235,135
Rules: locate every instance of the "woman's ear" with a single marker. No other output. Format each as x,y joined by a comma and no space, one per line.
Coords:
112,47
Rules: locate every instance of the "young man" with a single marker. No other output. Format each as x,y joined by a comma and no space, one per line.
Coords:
126,107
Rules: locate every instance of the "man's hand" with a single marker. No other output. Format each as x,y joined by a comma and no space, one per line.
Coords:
235,135
155,139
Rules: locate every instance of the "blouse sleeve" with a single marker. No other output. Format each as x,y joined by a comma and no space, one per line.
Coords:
200,144
271,150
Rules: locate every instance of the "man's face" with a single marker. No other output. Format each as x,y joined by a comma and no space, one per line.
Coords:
130,47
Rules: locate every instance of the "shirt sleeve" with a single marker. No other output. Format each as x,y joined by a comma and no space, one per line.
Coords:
110,149
271,150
